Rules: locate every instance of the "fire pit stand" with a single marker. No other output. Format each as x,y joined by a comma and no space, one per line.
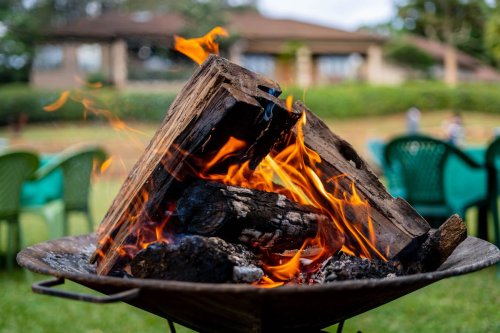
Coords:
239,307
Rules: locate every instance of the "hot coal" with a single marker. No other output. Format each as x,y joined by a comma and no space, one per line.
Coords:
342,267
197,259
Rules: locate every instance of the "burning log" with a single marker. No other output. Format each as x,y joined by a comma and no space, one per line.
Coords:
197,259
437,247
263,220
221,101
396,224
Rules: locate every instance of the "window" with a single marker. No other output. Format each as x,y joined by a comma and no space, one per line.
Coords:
89,57
259,63
334,67
48,57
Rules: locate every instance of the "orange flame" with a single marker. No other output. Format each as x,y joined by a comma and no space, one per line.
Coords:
288,270
63,98
198,49
106,164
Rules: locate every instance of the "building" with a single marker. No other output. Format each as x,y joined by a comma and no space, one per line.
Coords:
129,48
124,48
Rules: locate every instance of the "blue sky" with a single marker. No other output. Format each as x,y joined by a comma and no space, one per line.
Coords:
344,14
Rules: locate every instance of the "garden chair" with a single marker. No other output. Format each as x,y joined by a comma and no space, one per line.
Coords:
420,162
76,164
376,148
493,167
15,168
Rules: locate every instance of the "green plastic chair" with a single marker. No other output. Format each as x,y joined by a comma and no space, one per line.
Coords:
493,167
77,164
420,162
15,168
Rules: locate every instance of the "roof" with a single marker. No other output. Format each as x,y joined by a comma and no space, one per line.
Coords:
438,50
255,26
120,25
248,25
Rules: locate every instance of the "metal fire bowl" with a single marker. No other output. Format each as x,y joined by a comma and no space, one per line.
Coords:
239,307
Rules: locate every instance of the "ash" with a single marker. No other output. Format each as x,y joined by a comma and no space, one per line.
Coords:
342,267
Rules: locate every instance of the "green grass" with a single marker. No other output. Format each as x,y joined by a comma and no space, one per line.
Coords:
469,303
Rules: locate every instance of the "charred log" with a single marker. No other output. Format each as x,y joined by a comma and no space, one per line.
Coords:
437,247
263,220
197,259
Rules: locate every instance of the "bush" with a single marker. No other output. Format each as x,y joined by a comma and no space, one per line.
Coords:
361,100
22,100
328,102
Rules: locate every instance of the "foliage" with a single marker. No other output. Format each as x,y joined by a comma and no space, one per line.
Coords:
456,22
21,100
406,54
492,35
342,101
347,101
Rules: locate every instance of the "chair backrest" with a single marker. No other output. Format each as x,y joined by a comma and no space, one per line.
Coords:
77,166
420,161
15,168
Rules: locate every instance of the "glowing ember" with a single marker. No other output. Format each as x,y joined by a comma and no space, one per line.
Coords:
198,49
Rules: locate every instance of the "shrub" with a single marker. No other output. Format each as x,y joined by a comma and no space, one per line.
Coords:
340,101
19,100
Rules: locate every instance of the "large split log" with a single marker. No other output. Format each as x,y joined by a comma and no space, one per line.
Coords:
197,259
263,220
396,224
221,100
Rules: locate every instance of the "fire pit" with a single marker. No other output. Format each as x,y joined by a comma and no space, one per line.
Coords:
240,192
239,307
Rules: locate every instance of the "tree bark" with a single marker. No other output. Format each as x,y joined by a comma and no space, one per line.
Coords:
263,220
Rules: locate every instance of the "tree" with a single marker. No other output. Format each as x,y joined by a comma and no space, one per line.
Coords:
460,22
457,23
492,35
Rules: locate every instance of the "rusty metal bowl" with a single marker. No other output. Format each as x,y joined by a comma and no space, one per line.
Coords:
236,307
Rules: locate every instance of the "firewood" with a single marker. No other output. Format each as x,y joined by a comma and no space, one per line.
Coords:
263,220
437,247
197,259
219,101
396,224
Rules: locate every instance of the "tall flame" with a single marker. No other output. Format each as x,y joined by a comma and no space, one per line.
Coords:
198,49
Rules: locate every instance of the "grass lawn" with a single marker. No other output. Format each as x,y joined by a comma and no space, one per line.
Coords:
469,303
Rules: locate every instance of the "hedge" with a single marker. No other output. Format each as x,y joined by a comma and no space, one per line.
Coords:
357,101
18,100
329,102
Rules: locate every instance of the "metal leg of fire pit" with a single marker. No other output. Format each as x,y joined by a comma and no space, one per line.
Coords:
171,326
340,327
